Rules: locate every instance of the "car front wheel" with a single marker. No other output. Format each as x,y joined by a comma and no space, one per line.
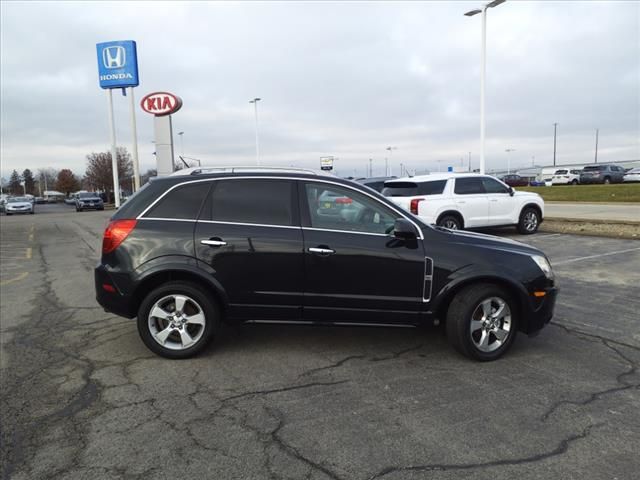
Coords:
482,322
529,221
177,320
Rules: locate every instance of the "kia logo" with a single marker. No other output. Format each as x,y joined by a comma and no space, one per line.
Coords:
161,103
114,57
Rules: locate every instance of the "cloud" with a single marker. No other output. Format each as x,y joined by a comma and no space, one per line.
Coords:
345,79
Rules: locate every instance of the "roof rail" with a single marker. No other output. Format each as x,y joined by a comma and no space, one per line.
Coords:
234,169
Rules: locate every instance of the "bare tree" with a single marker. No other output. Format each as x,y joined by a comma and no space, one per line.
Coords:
99,175
67,182
47,178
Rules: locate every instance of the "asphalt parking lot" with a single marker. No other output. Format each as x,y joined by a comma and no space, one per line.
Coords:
83,398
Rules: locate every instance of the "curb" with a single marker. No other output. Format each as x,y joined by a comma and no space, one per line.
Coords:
592,220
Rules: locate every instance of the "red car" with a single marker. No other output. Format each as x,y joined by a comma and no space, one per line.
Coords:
515,181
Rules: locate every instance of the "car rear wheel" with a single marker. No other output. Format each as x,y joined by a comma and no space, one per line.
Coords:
529,221
607,180
451,222
177,320
574,182
482,322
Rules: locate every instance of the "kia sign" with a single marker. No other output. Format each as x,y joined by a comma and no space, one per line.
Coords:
161,103
117,64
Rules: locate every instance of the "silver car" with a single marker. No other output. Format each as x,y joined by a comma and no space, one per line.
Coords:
19,205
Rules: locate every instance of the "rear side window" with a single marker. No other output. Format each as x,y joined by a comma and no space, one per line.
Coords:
181,203
469,186
410,189
267,202
594,168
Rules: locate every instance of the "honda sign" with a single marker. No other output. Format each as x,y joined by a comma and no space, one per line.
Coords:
117,64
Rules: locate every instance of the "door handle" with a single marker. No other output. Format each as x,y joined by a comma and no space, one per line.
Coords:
213,242
321,251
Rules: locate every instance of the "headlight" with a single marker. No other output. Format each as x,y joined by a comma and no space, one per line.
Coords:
544,265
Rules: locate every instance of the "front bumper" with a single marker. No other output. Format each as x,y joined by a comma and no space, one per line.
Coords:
20,210
91,206
538,312
112,301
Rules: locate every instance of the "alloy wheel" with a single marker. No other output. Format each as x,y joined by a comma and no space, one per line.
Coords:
176,322
530,221
490,324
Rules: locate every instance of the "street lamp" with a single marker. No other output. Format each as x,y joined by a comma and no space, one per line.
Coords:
555,134
483,71
509,150
386,161
180,134
255,108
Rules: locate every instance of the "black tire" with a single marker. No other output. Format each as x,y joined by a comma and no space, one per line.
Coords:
450,221
574,182
102,208
32,212
527,224
201,298
607,180
9,214
462,309
78,209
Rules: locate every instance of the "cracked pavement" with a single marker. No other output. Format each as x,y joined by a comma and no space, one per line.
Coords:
83,398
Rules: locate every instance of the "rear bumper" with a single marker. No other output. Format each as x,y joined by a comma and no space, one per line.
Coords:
539,312
112,301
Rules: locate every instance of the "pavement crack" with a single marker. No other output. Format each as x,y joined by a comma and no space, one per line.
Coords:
560,449
282,389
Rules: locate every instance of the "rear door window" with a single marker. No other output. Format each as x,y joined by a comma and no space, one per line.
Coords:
469,186
182,203
252,201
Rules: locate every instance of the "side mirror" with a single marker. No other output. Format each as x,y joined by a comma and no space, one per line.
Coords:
512,192
404,229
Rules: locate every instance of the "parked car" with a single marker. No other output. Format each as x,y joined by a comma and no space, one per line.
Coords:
88,201
566,177
602,174
187,253
70,200
19,205
458,201
632,175
40,200
515,180
377,183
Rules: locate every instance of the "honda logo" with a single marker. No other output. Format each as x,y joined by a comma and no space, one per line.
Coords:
114,57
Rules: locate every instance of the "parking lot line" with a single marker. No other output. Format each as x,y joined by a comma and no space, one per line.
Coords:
571,260
22,276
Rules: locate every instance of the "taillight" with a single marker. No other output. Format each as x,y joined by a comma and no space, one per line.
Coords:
343,201
414,205
115,233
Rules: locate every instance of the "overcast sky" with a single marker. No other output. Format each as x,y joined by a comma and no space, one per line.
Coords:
336,78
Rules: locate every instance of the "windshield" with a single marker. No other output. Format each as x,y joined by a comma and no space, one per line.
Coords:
18,199
87,195
561,172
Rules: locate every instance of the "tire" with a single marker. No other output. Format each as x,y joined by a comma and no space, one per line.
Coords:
574,182
607,180
450,221
474,334
529,221
78,209
197,305
9,214
32,212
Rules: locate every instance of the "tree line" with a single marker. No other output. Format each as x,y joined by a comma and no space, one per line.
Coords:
97,177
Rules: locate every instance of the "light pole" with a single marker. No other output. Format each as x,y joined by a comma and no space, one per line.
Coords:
509,150
597,131
469,161
555,132
483,72
370,167
180,134
386,162
255,109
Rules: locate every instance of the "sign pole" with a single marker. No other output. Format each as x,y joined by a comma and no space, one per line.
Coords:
134,132
114,155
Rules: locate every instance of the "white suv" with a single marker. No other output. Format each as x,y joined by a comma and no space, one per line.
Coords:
456,201
566,177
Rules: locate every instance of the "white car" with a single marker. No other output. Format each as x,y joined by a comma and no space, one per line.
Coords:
459,201
632,175
566,177
18,205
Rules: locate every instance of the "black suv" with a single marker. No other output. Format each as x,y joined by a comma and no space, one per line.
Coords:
187,253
